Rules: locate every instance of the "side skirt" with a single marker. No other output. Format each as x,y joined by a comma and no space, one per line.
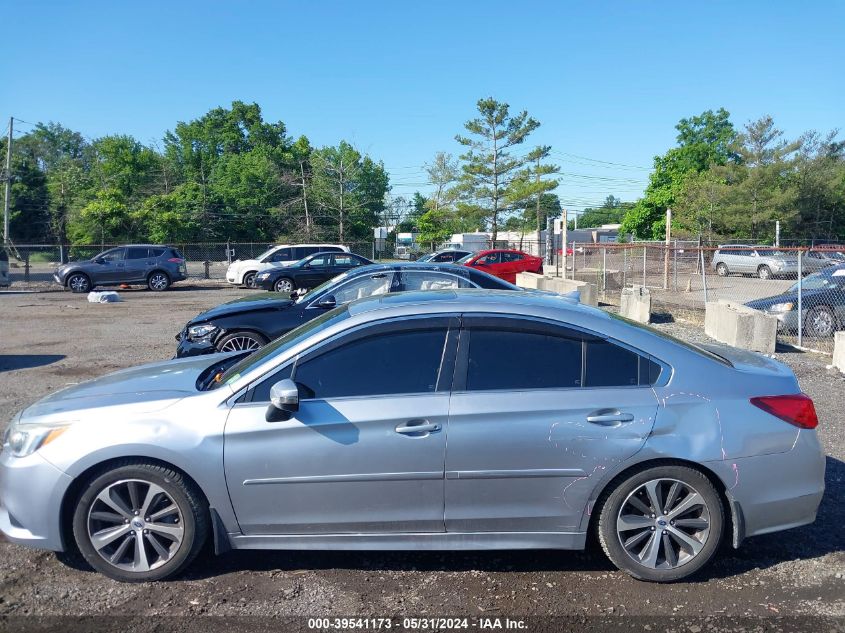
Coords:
413,541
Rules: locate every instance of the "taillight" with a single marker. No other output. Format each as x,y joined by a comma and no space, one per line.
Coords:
796,409
175,260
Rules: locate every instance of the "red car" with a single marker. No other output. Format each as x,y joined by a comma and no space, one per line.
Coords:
504,263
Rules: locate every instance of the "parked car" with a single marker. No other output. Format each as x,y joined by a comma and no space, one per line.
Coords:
458,419
504,263
4,267
444,256
815,260
309,272
242,272
762,261
822,304
156,265
249,323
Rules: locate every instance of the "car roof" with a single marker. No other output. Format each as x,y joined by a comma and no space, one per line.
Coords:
144,246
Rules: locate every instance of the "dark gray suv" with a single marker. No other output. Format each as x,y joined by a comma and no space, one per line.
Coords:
155,265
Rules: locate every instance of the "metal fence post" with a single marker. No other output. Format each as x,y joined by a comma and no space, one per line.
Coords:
703,274
624,264
675,267
604,269
645,254
800,293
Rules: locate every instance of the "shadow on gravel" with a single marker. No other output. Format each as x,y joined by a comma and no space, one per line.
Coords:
11,362
825,536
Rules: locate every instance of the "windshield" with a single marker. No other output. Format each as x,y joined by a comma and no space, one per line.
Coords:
266,253
465,259
316,291
816,281
279,346
425,258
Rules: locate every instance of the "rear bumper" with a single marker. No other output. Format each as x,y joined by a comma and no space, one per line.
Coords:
31,492
775,492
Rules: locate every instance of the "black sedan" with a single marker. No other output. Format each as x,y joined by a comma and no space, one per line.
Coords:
253,321
309,272
822,303
445,256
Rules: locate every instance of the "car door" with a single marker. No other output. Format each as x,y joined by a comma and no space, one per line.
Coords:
538,413
137,263
341,262
110,267
317,270
365,451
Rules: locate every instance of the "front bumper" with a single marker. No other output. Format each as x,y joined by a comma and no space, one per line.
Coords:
186,347
774,492
265,284
31,493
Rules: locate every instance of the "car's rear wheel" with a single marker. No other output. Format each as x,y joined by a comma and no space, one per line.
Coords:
249,279
820,322
158,281
764,272
241,342
722,269
283,284
140,522
661,523
79,282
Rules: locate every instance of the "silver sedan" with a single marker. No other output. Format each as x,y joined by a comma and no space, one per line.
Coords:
439,420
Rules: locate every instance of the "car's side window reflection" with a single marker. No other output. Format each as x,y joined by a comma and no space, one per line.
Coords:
363,287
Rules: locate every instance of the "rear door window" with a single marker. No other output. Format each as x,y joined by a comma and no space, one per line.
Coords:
137,252
282,255
364,286
609,365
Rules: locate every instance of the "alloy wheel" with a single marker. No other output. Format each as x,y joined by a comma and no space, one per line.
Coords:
135,525
241,343
820,322
78,283
663,524
159,282
284,285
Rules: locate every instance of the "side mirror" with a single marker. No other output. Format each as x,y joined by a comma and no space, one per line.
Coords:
99,260
327,303
284,401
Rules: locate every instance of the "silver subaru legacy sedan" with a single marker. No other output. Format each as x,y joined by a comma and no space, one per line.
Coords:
441,420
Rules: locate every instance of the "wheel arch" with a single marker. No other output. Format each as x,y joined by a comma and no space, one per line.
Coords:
77,271
732,510
74,490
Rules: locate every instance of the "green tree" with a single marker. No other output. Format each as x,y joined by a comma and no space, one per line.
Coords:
492,177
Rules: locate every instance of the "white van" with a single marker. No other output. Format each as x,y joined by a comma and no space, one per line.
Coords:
242,272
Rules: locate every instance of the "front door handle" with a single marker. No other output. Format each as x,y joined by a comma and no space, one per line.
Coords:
609,417
417,428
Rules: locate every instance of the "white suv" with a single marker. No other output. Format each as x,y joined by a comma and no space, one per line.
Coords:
242,272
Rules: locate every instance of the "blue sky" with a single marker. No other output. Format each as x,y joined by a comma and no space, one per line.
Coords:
607,80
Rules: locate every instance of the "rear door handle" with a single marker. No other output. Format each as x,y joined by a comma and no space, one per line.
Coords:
609,417
417,428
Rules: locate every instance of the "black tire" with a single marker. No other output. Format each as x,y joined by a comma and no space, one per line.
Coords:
722,269
630,487
284,284
191,513
764,272
820,322
158,281
249,279
239,341
79,282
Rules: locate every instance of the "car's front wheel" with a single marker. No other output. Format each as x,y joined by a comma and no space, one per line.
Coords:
79,282
820,322
140,522
249,279
283,285
764,272
241,342
661,523
722,269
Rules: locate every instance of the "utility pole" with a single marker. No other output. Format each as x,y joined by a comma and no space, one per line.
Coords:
777,233
8,178
305,202
564,216
537,178
666,249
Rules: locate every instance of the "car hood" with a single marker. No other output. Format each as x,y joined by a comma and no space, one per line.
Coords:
156,386
250,303
767,302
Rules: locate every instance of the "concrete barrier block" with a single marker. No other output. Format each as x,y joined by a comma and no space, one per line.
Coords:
839,350
636,304
740,326
529,280
589,295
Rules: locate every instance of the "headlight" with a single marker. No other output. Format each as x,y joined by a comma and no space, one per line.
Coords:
201,331
25,439
782,307
262,276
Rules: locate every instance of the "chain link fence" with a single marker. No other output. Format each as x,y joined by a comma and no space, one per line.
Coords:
683,276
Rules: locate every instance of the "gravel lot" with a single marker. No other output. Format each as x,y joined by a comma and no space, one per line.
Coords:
53,338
